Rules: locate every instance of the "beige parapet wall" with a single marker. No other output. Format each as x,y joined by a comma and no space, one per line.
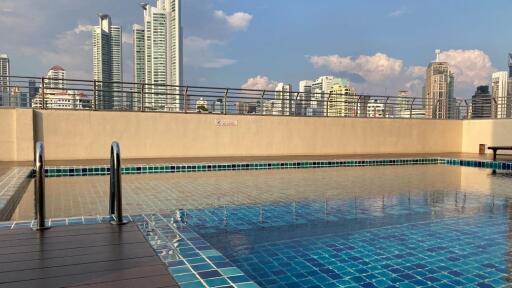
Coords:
491,132
16,135
72,135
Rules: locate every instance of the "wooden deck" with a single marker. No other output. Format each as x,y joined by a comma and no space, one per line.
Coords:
100,255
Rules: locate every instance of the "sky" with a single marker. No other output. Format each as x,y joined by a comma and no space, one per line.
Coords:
380,46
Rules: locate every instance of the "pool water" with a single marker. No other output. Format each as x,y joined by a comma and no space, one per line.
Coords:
396,226
410,243
437,238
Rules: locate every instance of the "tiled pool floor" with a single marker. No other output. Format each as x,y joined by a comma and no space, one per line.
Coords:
395,226
86,196
454,252
442,240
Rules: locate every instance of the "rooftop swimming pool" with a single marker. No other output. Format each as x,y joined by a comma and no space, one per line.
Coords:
380,226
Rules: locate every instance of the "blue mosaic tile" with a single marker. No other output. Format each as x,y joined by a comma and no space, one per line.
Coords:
103,170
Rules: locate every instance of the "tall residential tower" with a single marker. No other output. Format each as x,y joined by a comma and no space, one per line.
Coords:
438,91
499,92
4,80
108,67
158,55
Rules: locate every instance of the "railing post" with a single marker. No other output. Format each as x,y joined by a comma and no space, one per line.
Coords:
116,199
226,102
357,105
262,101
185,98
39,187
295,104
43,104
327,105
94,95
410,110
384,113
142,97
467,109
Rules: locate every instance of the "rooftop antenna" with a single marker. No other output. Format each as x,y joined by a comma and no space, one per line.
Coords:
438,51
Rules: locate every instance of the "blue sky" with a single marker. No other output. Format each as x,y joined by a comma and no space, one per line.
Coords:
381,46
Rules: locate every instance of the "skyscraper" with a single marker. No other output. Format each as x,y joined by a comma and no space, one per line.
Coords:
55,79
4,80
510,64
499,91
107,58
304,100
160,41
33,90
438,92
320,89
284,97
342,101
481,103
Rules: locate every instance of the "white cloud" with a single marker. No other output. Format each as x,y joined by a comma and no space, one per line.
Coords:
218,63
383,73
199,52
237,21
372,68
416,71
470,67
70,49
398,12
194,42
83,28
127,38
260,83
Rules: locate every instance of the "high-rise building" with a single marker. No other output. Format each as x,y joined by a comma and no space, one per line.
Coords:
55,79
33,90
107,59
499,84
342,101
139,67
510,64
438,92
284,98
320,89
303,106
481,103
160,41
139,54
4,80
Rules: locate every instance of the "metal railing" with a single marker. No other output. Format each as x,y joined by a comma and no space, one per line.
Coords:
116,198
55,94
39,188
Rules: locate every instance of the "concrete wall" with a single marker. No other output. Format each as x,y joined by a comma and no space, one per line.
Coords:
87,135
8,134
16,135
72,135
496,132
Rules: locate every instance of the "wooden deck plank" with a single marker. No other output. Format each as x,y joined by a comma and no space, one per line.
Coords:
74,242
18,257
91,278
55,232
101,255
120,254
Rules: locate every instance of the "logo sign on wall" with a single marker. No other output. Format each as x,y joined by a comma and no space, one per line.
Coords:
226,123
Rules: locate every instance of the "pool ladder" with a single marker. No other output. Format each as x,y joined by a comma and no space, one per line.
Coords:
115,199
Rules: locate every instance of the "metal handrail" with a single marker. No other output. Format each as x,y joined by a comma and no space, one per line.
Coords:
116,199
39,187
38,93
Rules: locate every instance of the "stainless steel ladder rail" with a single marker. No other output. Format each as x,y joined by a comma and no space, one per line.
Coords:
116,199
39,187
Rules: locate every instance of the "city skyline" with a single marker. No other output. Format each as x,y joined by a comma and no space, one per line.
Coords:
221,43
